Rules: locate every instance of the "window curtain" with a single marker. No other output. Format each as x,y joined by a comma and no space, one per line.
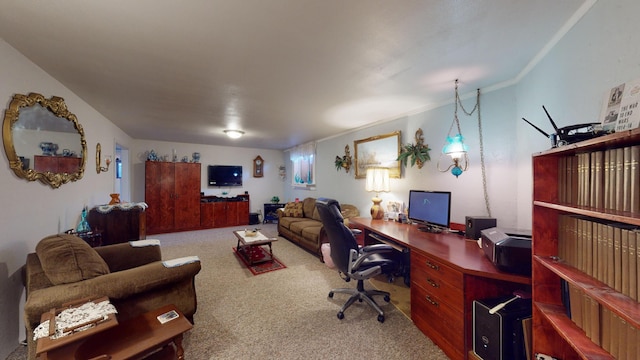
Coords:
302,157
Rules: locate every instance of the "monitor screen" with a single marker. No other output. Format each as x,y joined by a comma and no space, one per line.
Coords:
224,175
432,208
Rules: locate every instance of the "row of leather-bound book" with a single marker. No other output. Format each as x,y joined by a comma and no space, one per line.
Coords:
602,325
607,179
606,251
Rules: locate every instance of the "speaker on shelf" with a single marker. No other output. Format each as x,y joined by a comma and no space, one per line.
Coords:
475,224
500,336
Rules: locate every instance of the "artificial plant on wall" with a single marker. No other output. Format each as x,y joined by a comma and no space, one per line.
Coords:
418,152
345,161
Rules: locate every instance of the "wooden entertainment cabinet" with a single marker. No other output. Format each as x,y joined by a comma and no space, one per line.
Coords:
554,333
172,191
218,212
447,272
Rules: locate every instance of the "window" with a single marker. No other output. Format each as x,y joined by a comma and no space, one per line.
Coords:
303,164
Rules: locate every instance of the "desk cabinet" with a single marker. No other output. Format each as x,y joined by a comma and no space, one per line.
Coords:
437,302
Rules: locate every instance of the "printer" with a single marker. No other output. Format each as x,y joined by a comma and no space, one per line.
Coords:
509,252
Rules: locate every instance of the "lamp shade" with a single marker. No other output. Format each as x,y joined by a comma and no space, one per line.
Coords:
455,146
377,179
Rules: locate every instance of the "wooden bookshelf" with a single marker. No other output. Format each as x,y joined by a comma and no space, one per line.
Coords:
554,332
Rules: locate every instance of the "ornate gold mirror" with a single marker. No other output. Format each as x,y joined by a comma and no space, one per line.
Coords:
43,140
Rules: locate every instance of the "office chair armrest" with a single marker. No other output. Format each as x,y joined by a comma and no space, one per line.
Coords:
376,248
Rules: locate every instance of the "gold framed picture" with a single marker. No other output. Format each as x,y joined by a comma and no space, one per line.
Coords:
381,151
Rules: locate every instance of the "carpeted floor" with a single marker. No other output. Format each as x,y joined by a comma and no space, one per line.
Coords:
284,314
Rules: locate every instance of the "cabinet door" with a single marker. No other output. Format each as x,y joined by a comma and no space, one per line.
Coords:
206,215
220,214
243,213
232,213
187,196
159,194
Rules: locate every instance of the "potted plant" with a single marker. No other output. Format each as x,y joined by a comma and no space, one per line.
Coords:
275,199
418,152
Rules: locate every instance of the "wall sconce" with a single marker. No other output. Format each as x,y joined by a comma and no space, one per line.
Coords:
455,146
107,160
377,180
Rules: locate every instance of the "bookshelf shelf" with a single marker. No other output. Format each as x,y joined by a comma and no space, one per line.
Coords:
574,195
573,335
604,214
622,305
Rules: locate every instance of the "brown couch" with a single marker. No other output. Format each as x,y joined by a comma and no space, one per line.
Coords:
133,278
303,226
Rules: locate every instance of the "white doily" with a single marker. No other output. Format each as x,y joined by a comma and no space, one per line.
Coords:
104,209
72,317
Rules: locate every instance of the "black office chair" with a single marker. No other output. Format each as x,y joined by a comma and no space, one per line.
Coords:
352,262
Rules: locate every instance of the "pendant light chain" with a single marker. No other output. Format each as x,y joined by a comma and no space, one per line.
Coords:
469,113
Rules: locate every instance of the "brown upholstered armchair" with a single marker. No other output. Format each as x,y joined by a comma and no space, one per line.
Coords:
132,275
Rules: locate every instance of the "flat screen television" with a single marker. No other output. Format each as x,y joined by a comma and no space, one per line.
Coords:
430,209
224,175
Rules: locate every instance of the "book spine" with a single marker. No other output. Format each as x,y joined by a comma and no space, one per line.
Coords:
635,178
626,179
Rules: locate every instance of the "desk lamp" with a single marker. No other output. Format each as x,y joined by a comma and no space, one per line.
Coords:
377,180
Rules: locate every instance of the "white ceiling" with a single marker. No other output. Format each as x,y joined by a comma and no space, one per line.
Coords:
284,71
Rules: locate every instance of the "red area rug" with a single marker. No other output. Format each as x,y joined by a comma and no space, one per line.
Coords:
258,253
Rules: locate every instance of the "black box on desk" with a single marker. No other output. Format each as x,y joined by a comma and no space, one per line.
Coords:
475,224
500,336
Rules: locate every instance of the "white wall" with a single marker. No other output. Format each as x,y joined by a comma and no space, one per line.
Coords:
601,51
32,210
498,121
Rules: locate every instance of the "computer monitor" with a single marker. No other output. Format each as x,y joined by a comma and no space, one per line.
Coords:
430,209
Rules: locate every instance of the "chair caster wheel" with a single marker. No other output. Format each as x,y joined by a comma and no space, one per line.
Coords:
341,315
387,298
381,318
331,294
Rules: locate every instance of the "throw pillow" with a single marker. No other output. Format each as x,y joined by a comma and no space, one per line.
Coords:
67,258
293,209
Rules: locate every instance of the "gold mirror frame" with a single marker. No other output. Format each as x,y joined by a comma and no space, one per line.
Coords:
58,107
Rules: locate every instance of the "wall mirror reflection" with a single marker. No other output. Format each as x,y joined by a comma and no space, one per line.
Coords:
43,140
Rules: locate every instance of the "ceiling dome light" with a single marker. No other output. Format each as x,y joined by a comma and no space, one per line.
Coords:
234,134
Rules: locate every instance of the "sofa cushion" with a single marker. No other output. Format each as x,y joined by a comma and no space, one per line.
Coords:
293,209
298,226
309,206
67,259
311,234
285,222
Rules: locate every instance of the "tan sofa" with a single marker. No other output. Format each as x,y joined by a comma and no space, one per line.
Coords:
304,227
133,277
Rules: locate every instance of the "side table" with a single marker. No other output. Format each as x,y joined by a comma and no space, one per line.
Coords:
93,238
270,212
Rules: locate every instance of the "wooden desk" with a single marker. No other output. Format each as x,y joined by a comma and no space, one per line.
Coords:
447,273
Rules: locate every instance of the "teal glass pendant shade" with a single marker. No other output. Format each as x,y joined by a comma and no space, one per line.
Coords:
455,146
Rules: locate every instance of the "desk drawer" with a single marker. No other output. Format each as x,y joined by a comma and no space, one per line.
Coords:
438,316
438,280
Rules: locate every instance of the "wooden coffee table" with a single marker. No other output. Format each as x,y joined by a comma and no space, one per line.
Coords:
246,245
136,338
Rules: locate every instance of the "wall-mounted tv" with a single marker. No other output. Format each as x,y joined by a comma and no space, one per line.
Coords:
430,209
224,175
